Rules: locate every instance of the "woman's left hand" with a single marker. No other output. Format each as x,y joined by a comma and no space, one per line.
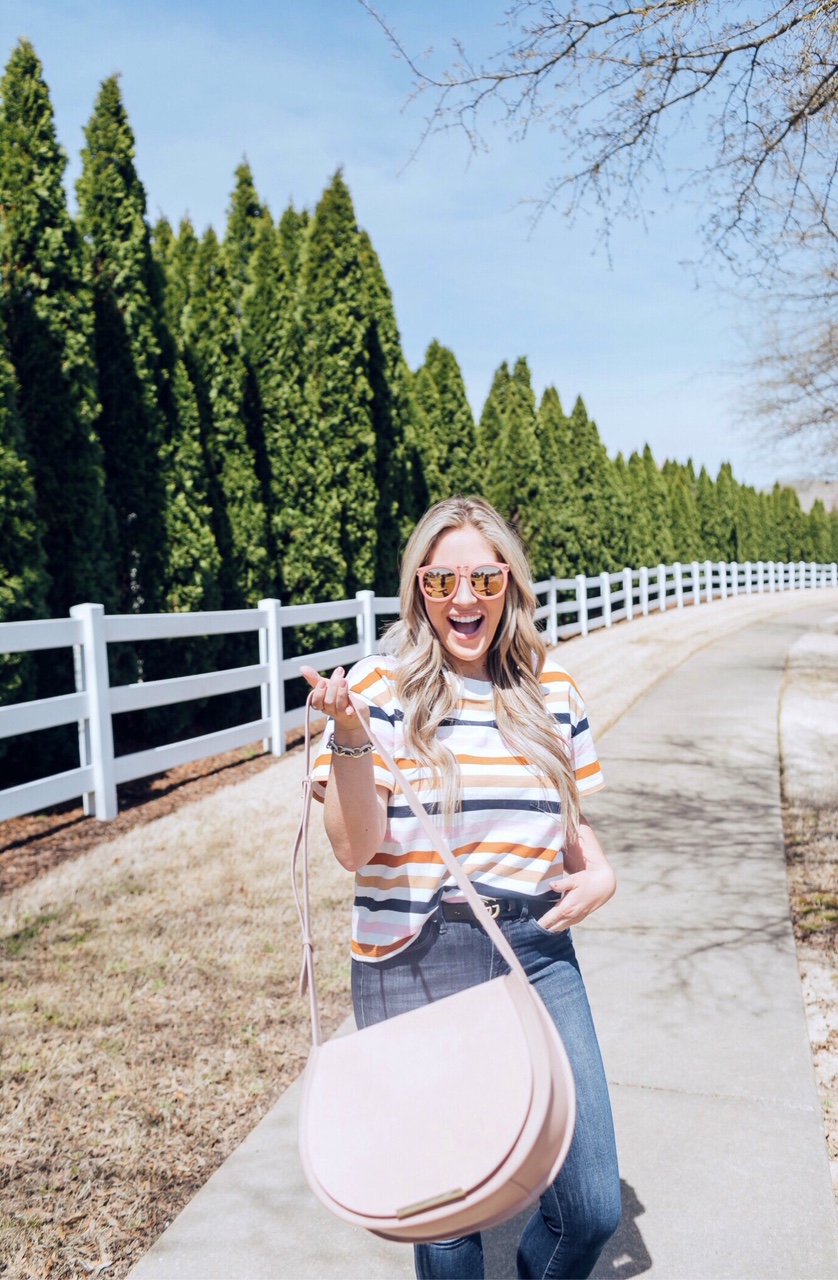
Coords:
589,884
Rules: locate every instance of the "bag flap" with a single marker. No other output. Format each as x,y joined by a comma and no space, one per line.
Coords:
425,1105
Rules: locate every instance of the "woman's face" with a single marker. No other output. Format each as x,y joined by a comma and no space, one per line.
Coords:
466,623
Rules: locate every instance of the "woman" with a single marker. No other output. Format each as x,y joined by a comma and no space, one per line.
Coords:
494,736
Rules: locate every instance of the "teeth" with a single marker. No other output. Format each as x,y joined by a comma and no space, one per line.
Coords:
465,617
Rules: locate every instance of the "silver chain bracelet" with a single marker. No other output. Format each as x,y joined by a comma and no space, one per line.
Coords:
337,750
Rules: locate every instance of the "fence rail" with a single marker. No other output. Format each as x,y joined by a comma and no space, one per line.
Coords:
571,606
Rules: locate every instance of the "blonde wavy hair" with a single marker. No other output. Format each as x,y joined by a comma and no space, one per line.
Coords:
515,659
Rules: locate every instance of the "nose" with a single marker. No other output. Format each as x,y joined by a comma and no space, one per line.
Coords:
464,593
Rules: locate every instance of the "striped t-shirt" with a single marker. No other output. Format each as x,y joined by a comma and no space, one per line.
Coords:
507,833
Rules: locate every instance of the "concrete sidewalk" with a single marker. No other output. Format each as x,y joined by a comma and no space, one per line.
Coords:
695,990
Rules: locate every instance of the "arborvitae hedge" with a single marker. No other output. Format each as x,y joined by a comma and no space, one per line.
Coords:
23,579
447,444
199,424
127,321
48,318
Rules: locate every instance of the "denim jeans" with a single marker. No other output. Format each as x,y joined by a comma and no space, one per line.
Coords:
581,1210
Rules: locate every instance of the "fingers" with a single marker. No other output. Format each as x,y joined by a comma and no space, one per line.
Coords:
583,892
330,695
573,906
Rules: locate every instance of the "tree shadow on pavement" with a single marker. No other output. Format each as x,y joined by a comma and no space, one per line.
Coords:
625,1255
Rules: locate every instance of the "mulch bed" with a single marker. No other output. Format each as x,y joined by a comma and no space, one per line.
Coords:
36,842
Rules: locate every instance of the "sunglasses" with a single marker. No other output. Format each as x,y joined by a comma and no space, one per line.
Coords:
441,581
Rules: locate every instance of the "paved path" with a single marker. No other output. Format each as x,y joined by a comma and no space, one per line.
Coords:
695,990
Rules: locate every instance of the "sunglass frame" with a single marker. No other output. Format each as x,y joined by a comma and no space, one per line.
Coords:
464,571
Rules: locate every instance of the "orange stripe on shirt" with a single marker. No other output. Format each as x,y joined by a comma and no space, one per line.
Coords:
374,677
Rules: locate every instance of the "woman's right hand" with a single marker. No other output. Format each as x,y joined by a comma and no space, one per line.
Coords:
331,697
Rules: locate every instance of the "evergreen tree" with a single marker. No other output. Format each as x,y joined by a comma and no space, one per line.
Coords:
48,321
213,359
713,545
23,581
128,348
561,508
175,256
491,480
727,513
658,507
449,443
818,534
428,402
620,549
192,567
244,215
750,532
275,348
789,524
333,547
510,453
193,564
397,424
683,511
832,517
293,232
642,546
265,323
596,482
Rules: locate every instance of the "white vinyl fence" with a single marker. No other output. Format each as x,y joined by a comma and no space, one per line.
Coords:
572,606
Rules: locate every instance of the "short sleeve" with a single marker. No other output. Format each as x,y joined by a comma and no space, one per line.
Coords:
583,753
371,681
568,706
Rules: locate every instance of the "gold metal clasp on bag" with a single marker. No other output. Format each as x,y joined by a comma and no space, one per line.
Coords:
433,1202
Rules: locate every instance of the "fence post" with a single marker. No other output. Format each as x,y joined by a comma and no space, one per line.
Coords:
833,574
695,582
366,622
88,799
264,688
582,603
723,579
734,578
553,611
644,591
273,693
662,587
813,580
605,597
708,581
678,570
628,594
748,576
760,577
92,618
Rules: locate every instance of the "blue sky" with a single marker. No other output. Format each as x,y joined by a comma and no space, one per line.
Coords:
303,88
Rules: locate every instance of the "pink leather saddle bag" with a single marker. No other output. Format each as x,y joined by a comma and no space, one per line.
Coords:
440,1121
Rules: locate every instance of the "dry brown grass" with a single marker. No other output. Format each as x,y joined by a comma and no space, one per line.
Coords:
148,1019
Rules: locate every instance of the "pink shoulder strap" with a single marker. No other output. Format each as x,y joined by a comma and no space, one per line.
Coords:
302,900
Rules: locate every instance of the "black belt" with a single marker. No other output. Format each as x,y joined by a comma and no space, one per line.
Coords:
502,908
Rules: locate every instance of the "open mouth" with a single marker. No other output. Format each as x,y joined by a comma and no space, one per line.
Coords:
467,626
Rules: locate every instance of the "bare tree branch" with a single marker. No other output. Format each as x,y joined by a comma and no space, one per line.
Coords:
613,81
